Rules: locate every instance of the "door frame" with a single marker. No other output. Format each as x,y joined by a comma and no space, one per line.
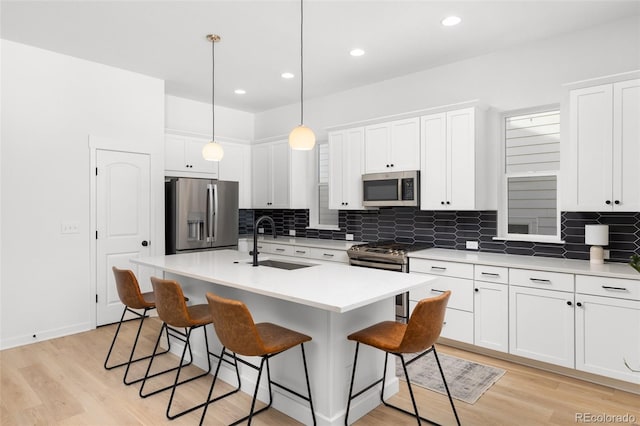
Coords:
99,143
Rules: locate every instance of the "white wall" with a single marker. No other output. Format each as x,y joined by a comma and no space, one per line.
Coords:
51,103
186,115
520,77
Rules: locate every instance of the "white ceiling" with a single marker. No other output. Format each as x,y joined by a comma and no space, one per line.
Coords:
260,39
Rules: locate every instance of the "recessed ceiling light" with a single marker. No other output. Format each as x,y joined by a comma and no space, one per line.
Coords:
239,91
287,75
450,21
357,52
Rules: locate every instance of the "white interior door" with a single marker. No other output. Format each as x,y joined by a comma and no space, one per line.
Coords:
123,228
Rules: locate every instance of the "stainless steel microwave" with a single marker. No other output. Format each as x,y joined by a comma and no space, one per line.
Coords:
391,189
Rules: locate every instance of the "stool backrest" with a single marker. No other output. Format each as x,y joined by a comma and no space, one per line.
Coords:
170,302
425,324
129,289
234,326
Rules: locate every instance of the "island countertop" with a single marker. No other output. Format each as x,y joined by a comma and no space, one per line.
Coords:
329,286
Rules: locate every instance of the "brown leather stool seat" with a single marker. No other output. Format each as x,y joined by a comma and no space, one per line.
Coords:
238,333
419,335
132,298
176,315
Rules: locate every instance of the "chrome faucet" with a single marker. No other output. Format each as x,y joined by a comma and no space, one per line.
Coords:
255,236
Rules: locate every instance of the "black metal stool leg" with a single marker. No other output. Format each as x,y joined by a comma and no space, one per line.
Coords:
306,376
353,376
453,407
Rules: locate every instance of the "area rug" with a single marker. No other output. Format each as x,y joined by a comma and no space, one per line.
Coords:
467,380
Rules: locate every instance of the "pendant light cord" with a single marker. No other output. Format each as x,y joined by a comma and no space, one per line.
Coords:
213,90
301,63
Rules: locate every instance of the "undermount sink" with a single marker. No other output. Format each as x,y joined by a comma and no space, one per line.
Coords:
283,265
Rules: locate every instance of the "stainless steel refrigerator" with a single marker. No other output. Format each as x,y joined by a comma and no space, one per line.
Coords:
200,214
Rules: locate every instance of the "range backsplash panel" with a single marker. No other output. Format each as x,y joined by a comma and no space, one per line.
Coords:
452,229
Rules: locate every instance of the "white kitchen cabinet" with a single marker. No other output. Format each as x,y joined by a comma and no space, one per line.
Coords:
541,325
491,308
608,327
392,146
604,148
236,166
183,158
458,164
280,176
346,166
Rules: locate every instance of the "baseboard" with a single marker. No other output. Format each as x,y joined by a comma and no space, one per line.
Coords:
41,336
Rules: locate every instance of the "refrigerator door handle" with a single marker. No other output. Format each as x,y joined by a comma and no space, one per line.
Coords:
209,212
214,213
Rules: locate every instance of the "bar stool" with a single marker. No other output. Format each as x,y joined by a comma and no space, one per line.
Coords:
132,298
175,314
419,335
238,333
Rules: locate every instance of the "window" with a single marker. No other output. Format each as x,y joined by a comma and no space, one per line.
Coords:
326,218
530,209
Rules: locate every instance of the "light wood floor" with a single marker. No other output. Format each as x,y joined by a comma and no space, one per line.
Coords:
63,382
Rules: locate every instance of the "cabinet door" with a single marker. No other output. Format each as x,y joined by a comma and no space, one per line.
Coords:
376,149
541,325
433,162
193,156
405,145
607,334
626,146
236,166
460,160
590,149
337,146
280,167
491,316
352,169
174,153
261,182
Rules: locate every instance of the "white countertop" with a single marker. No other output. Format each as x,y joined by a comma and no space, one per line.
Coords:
306,242
615,270
330,286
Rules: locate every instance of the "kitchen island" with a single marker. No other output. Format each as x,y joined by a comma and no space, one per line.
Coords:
325,300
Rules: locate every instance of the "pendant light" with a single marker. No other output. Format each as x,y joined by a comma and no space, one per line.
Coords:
302,137
213,151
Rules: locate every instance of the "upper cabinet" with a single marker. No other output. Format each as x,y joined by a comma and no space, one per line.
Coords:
183,158
393,146
603,153
346,166
236,166
458,164
280,176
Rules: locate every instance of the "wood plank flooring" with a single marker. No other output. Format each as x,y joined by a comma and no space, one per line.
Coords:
62,382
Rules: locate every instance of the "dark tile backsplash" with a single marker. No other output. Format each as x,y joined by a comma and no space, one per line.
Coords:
452,230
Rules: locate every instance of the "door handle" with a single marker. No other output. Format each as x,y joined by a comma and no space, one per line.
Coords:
145,243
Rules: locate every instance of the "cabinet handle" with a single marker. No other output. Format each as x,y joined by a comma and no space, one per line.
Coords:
438,268
569,303
476,290
616,202
300,251
435,290
540,281
490,274
607,202
579,304
392,165
442,202
279,249
606,287
327,254
448,202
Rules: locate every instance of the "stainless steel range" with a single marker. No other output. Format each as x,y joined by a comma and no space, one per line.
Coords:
390,256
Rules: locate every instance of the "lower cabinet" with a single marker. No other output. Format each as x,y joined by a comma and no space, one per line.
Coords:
491,316
333,255
541,325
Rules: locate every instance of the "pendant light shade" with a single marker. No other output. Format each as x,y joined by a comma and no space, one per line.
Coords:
213,151
302,138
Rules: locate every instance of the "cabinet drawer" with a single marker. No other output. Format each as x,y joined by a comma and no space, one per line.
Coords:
282,249
491,274
300,251
458,325
609,287
541,279
437,267
461,292
328,254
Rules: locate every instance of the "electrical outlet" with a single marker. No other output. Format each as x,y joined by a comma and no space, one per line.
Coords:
69,227
472,245
260,230
348,237
292,232
606,254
